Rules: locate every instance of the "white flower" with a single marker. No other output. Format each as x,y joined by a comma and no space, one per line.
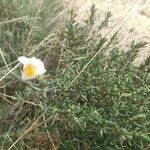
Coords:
32,67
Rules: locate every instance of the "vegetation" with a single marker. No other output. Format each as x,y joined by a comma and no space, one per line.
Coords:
88,99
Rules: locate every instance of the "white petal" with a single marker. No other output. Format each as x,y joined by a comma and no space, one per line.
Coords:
41,69
23,59
39,65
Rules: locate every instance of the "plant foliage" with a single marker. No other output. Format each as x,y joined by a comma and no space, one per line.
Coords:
87,100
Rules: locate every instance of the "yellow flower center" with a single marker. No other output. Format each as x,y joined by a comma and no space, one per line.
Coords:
30,70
